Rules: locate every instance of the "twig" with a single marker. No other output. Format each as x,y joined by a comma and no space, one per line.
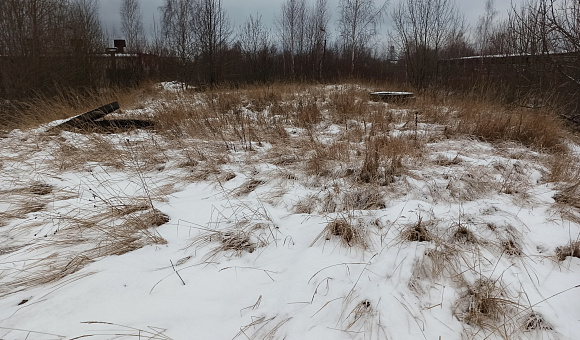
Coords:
176,272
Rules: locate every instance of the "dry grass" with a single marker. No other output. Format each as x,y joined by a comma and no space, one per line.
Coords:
262,328
536,322
384,154
349,234
244,237
239,118
362,315
352,154
80,241
569,195
463,235
237,242
308,113
348,102
512,248
572,249
437,263
43,109
486,305
248,187
40,189
357,197
492,122
564,167
244,229
417,232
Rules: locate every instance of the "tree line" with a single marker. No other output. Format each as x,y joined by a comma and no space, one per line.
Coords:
48,45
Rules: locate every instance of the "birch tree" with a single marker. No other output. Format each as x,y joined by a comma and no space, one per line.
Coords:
358,24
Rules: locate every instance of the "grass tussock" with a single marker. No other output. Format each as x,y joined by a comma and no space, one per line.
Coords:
437,262
384,158
230,242
248,187
237,242
360,197
564,167
463,235
536,322
417,232
308,113
572,249
244,231
350,235
40,189
486,305
243,237
512,248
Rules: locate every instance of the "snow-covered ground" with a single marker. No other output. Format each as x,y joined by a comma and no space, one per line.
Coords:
125,236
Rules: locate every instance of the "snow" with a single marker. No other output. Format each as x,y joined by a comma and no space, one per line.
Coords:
294,284
174,86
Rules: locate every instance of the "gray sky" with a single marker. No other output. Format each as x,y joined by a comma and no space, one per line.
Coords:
239,10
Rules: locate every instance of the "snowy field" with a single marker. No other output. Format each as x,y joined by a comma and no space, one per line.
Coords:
287,231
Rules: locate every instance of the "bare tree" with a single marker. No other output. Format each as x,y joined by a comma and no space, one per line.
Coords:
358,23
549,32
213,32
29,31
25,26
132,25
254,39
178,25
87,33
291,24
527,30
561,33
424,28
48,44
253,36
157,46
317,34
484,28
564,21
86,26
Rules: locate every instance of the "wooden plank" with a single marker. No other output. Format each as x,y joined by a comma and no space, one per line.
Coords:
90,117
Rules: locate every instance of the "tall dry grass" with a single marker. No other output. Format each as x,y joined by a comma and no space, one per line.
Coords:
43,109
540,129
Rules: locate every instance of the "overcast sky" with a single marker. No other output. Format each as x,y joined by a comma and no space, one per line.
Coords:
239,10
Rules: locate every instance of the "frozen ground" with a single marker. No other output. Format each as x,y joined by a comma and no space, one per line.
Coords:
124,236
